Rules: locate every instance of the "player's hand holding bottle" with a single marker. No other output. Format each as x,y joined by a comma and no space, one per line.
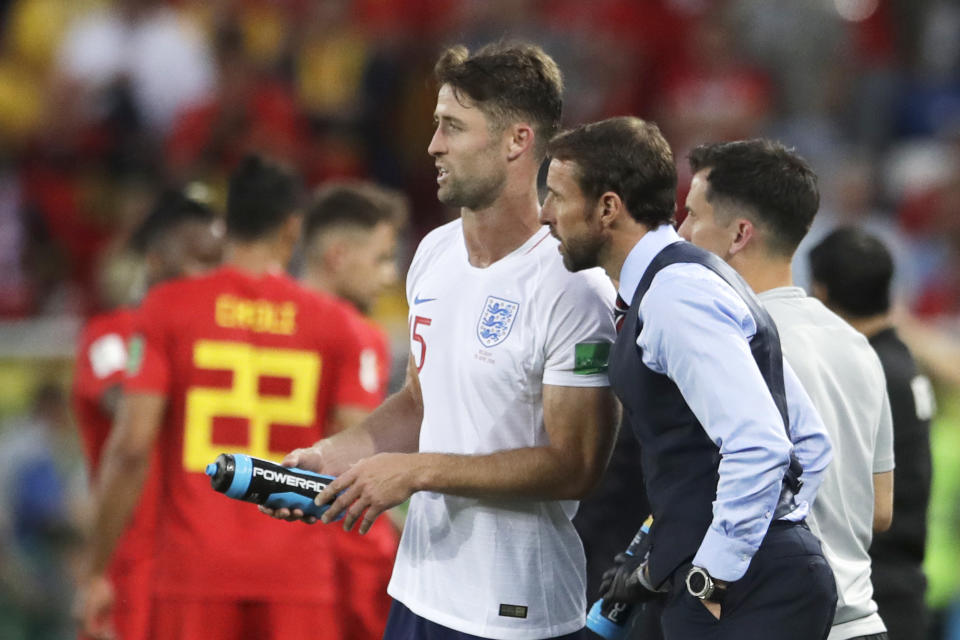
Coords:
309,459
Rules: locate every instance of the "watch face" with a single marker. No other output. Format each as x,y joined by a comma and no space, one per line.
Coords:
696,582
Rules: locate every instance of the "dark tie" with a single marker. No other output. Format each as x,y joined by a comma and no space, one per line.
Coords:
620,312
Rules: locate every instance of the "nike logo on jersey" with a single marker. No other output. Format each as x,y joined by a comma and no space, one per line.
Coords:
418,300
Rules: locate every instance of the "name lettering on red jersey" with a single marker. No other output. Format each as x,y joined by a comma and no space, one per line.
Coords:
261,316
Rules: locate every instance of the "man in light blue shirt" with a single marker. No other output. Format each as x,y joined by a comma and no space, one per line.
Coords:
725,428
750,203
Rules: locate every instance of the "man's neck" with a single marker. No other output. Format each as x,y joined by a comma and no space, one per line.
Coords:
317,280
870,325
763,274
622,242
257,258
496,231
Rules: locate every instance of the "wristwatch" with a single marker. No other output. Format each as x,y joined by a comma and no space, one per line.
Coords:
701,585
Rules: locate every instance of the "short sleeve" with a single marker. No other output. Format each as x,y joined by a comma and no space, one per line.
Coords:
883,452
356,380
580,332
101,361
149,360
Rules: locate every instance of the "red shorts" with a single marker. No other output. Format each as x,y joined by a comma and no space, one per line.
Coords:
174,619
132,583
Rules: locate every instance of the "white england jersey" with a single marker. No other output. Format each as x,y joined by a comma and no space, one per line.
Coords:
485,342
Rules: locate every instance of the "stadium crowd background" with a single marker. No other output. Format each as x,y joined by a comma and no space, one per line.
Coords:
103,104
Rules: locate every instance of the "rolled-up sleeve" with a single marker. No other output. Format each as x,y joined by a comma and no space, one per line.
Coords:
696,331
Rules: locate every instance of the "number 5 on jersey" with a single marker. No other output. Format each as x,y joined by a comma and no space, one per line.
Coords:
417,337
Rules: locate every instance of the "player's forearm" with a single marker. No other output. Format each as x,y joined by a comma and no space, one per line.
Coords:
393,427
123,470
542,473
122,477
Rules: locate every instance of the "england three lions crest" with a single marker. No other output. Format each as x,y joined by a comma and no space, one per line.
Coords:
496,321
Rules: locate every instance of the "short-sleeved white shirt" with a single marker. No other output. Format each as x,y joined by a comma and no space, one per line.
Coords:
843,376
486,341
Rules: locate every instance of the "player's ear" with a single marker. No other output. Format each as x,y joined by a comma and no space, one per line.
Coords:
521,139
292,227
335,255
610,208
743,232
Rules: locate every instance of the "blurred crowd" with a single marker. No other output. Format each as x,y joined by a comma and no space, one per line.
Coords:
103,104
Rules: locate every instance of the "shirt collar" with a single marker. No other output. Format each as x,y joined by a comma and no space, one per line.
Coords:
641,256
782,293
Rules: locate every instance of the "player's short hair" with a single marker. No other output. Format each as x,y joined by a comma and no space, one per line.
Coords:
856,270
261,196
627,156
172,209
509,82
360,205
772,184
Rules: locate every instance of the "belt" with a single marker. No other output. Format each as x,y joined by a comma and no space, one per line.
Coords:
785,504
789,489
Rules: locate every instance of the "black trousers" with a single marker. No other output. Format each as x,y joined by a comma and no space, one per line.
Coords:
898,589
787,593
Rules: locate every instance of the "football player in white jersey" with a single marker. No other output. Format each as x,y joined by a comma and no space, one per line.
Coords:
506,419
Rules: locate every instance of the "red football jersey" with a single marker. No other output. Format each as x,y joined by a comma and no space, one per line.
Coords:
100,364
253,365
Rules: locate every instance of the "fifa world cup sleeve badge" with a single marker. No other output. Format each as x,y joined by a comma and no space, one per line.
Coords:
591,358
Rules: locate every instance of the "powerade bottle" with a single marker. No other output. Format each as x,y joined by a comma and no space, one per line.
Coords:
263,482
611,619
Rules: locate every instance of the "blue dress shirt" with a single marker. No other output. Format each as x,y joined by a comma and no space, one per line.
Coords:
696,331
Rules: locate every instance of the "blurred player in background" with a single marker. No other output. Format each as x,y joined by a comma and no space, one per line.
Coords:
350,241
178,238
242,360
852,272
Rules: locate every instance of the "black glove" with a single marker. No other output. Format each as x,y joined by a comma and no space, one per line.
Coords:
622,582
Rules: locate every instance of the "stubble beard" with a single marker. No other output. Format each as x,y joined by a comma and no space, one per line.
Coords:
475,196
581,253
474,190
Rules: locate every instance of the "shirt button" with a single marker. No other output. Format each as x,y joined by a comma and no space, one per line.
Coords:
766,514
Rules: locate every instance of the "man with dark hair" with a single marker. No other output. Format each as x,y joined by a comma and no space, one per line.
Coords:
349,240
851,273
725,428
178,238
244,360
506,419
507,82
751,202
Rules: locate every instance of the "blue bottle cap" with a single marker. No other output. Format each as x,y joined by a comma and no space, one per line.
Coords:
211,469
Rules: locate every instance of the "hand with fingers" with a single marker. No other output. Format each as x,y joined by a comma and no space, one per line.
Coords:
626,581
309,459
370,487
93,607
